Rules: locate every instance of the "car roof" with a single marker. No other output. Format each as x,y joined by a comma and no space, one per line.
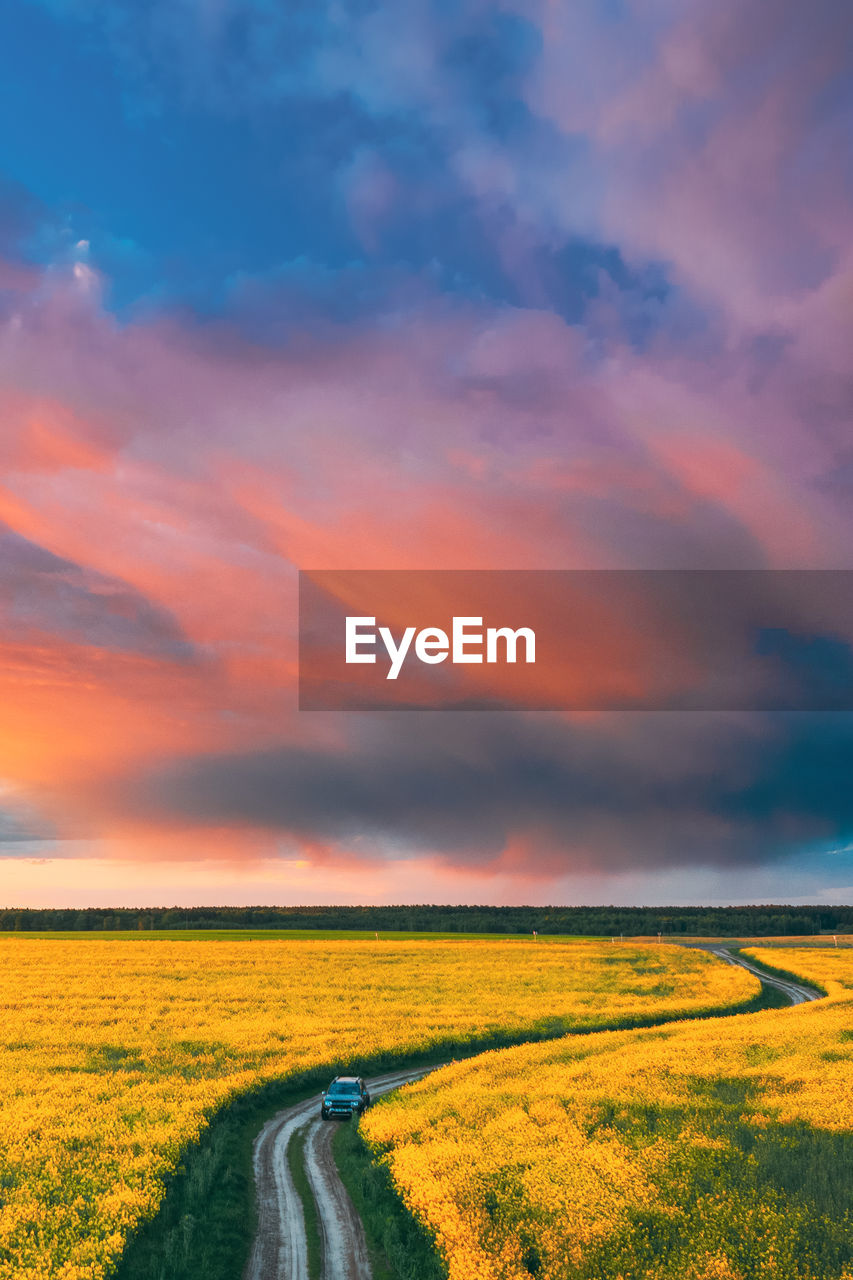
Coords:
348,1079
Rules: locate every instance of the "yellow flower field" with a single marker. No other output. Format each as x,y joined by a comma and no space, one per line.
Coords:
710,1150
829,968
114,1053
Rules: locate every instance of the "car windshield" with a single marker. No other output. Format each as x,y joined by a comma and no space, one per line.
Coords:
343,1088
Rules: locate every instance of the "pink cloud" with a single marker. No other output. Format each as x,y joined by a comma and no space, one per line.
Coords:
715,132
201,471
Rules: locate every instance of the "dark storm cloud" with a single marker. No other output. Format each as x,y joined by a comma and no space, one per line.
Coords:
41,592
19,826
615,794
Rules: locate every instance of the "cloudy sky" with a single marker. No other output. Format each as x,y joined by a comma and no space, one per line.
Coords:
369,285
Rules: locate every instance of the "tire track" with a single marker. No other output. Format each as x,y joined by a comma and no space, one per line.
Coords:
796,992
345,1255
280,1247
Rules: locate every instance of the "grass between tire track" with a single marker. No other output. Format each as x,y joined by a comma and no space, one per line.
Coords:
314,1241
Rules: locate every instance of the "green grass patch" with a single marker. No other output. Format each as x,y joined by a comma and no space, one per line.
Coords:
314,1241
400,1247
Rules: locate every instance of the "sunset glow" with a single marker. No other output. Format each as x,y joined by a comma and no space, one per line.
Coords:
545,289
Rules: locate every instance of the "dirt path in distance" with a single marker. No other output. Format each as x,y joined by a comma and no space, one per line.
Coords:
796,992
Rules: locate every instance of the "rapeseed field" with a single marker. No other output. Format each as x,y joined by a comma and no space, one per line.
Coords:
114,1054
708,1150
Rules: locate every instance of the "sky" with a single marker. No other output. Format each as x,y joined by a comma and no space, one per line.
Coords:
440,286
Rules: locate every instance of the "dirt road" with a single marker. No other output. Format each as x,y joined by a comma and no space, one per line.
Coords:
796,992
280,1250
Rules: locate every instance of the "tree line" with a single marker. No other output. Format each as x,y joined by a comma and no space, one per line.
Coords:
753,921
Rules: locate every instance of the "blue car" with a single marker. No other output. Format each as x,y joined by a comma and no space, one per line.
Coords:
345,1097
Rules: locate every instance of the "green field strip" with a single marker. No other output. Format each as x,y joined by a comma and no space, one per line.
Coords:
313,1238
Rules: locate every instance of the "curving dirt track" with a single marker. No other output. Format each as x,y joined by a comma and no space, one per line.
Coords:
280,1250
344,1246
796,992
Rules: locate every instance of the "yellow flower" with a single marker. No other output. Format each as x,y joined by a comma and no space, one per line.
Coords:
114,1054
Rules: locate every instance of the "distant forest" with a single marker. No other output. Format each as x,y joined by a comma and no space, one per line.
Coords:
705,921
